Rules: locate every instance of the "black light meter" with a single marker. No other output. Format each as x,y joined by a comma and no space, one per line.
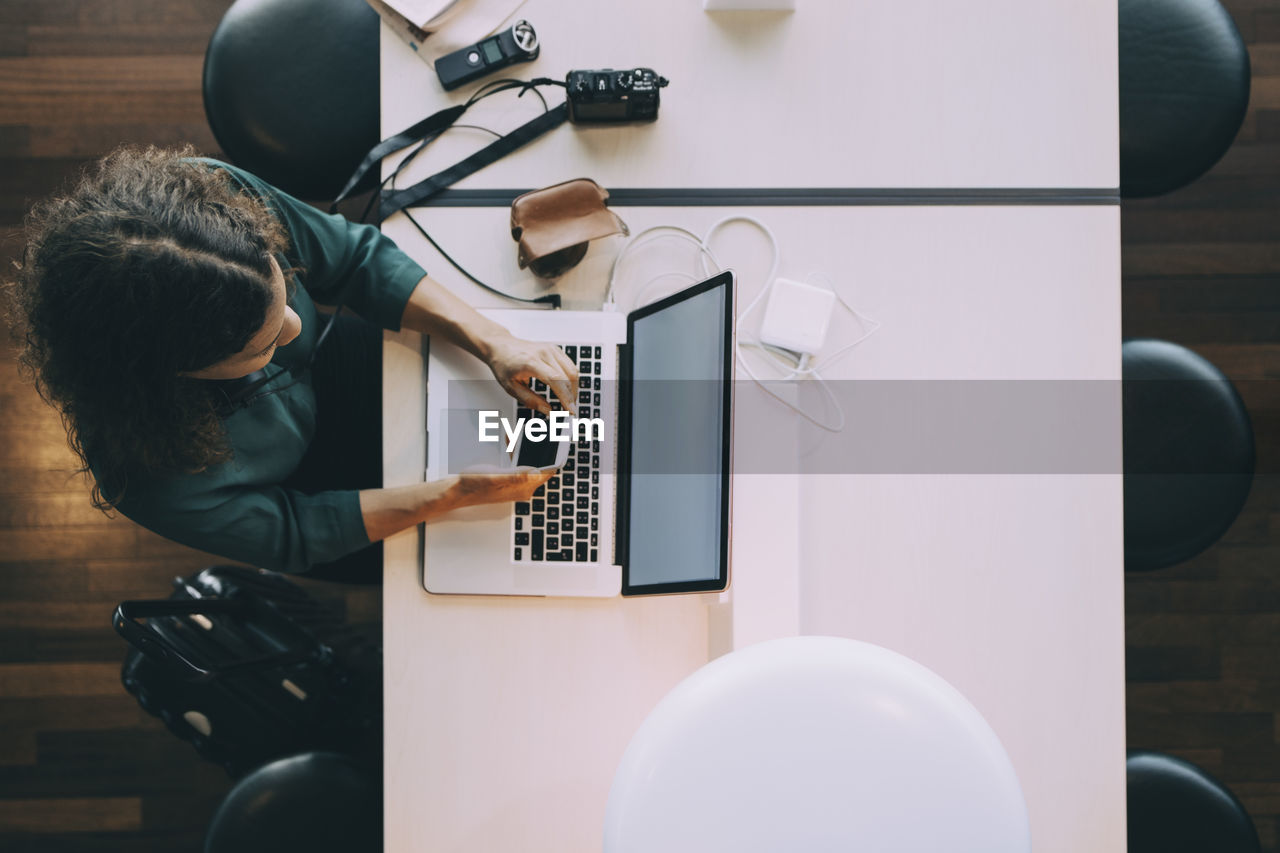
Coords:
518,44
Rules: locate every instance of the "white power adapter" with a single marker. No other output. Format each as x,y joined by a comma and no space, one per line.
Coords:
797,316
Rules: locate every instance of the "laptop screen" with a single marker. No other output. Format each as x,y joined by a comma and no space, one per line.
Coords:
674,487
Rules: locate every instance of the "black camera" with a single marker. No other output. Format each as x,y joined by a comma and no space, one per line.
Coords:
607,96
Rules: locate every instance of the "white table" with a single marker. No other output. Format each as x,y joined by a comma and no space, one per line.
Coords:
506,717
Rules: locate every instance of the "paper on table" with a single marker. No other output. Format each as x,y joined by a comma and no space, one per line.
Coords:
428,15
464,23
411,34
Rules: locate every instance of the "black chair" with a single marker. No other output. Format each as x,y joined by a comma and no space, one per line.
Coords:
1188,454
1175,807
291,91
1184,87
319,802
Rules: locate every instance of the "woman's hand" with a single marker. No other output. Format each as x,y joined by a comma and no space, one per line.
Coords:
433,310
497,486
514,362
388,511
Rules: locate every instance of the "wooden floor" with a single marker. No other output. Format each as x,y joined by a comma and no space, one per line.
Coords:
82,769
1202,268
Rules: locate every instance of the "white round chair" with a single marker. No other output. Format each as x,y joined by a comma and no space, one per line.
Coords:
815,744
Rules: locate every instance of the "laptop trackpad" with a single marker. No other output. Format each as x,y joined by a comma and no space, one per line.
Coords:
553,578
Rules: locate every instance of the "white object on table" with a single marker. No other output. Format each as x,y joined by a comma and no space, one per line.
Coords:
458,24
425,14
819,744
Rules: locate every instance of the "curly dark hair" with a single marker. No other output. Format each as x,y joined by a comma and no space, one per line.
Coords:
153,264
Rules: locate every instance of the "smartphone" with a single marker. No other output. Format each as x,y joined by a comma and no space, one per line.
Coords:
542,455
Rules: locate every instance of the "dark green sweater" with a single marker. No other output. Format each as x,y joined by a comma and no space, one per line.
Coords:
239,509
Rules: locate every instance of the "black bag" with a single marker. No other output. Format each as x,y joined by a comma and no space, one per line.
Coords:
247,667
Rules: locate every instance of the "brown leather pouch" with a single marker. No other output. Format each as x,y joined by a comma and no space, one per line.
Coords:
554,225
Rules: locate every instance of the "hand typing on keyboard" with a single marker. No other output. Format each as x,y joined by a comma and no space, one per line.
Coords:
516,362
517,365
562,521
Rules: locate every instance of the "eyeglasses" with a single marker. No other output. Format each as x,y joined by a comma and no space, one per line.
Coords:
243,392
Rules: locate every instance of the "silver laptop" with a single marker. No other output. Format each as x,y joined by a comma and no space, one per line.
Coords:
641,505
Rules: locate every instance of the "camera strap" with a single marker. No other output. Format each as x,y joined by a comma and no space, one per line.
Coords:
432,126
496,150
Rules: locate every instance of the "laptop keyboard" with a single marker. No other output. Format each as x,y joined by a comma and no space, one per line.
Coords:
562,522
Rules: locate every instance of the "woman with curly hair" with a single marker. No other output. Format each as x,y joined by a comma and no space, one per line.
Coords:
165,305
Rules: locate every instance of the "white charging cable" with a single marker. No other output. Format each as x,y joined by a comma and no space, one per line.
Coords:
803,366
871,326
647,237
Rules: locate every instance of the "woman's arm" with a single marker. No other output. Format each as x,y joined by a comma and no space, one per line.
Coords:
388,511
433,310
